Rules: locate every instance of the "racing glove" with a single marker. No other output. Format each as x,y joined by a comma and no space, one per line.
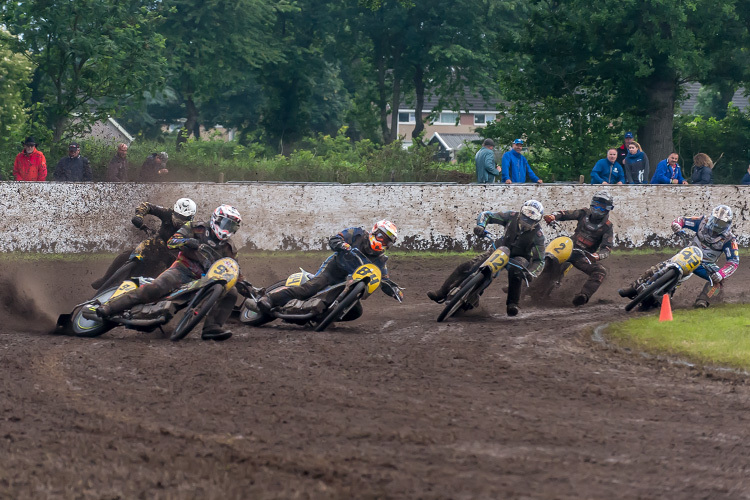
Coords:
716,277
676,227
549,218
137,221
479,230
192,243
345,247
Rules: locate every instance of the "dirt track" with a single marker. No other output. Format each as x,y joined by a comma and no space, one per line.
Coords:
393,405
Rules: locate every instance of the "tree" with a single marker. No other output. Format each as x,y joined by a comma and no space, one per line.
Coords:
639,50
15,72
213,46
85,51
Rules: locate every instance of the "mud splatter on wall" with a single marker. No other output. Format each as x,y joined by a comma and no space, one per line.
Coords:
73,217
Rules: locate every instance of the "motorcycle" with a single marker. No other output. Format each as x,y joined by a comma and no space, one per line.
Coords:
466,295
556,266
196,298
147,259
669,275
338,302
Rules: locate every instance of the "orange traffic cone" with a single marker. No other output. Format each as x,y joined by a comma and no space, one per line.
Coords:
666,309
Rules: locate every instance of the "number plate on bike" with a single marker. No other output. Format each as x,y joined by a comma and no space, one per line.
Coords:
224,270
125,287
497,260
688,259
371,271
295,279
560,248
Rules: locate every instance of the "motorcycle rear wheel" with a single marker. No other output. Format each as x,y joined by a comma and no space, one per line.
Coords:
461,297
652,288
201,304
252,318
83,327
354,295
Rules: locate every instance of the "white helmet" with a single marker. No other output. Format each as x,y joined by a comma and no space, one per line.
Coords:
383,235
531,213
225,221
185,207
720,220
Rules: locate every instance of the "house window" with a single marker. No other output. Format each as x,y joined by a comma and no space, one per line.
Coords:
406,117
483,118
447,118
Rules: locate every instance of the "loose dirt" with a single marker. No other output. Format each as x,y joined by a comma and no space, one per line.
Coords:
393,405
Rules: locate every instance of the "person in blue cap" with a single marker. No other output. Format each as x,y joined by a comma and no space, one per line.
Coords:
515,167
622,151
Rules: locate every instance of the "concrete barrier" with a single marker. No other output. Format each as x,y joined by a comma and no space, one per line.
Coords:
86,217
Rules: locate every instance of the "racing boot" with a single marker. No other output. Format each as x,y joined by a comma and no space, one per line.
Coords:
436,296
628,293
215,332
580,299
512,309
701,302
265,304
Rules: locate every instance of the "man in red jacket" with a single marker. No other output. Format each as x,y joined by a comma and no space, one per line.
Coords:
30,164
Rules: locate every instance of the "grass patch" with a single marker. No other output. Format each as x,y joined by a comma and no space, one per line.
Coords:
715,336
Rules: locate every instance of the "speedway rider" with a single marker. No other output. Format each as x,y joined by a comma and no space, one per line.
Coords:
339,265
189,266
153,251
525,241
594,236
713,235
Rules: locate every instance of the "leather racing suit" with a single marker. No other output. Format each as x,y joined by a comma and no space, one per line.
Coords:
526,248
190,265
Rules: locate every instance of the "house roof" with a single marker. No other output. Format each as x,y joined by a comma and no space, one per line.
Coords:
687,107
473,101
452,142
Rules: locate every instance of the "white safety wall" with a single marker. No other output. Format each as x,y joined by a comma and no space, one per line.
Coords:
86,217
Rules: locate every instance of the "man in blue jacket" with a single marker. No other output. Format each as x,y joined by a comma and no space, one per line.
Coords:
607,170
515,166
485,161
668,171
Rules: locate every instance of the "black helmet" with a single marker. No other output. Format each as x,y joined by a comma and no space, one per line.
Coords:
603,200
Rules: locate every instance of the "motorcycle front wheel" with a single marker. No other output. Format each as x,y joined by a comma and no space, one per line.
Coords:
461,297
653,287
201,304
353,296
252,318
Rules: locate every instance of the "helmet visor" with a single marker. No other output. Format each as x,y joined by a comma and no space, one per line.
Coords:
229,225
383,238
718,226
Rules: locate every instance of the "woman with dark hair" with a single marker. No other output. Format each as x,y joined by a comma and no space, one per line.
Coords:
636,165
703,169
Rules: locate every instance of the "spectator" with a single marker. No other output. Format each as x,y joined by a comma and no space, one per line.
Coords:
117,169
669,171
607,170
636,165
623,150
485,161
30,164
746,178
74,167
515,167
154,168
703,168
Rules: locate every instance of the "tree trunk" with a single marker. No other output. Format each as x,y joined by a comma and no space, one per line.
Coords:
419,106
395,102
657,139
382,99
191,121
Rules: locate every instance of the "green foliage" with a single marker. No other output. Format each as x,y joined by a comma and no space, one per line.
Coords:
726,141
84,52
566,135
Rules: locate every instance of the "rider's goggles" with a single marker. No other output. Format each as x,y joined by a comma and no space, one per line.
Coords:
227,224
600,207
383,239
526,222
